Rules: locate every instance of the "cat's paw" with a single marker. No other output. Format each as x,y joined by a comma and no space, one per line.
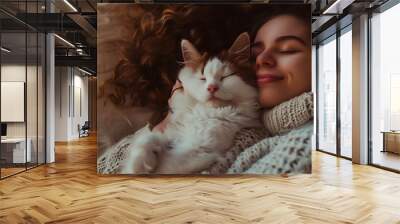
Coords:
145,153
145,158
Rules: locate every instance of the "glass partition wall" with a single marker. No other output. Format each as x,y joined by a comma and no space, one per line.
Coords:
385,89
345,108
334,94
22,106
327,95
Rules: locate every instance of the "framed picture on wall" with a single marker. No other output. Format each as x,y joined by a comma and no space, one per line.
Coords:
204,89
12,101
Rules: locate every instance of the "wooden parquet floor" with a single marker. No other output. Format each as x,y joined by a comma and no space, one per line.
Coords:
10,171
70,191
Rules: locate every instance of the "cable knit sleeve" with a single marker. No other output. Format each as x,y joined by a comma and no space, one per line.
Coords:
243,139
286,148
288,153
251,154
112,161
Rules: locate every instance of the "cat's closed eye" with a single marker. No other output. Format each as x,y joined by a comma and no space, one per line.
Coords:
226,76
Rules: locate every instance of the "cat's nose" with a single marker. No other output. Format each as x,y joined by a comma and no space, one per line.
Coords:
212,88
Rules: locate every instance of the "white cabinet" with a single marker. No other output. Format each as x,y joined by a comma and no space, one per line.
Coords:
13,150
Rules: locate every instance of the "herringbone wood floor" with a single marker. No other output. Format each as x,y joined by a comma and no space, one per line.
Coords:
70,191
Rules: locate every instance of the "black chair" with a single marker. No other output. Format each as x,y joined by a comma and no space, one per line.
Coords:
84,130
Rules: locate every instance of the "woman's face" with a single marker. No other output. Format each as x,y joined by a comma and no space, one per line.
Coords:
282,53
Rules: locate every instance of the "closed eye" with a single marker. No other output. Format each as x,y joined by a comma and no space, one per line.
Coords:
289,51
226,76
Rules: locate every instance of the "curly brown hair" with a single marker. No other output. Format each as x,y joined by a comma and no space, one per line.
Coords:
150,63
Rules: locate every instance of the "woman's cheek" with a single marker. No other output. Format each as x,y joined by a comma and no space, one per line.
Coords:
297,72
296,65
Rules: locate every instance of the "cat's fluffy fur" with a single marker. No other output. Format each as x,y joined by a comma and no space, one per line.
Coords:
215,103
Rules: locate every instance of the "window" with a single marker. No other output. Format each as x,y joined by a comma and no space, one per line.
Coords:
327,95
385,86
345,42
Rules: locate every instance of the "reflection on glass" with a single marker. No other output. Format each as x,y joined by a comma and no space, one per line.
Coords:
346,94
385,87
23,90
327,96
31,101
14,153
41,98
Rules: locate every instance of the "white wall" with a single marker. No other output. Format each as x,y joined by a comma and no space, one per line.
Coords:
61,103
33,126
70,84
16,73
80,103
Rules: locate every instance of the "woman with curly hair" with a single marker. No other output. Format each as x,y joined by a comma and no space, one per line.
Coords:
282,59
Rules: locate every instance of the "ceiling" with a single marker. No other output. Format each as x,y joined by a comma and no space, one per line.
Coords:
76,22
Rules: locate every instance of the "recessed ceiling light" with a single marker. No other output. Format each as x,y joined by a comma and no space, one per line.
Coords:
70,5
84,71
338,6
5,50
65,41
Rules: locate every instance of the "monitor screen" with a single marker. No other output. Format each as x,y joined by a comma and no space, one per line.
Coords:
3,129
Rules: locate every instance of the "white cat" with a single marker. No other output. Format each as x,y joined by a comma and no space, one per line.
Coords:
213,105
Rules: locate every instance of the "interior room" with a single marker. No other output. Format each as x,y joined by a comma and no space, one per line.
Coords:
54,128
22,100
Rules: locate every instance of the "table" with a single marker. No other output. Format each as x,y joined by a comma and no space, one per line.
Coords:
13,150
391,141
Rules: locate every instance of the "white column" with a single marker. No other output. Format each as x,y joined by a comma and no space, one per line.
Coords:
50,93
360,90
50,99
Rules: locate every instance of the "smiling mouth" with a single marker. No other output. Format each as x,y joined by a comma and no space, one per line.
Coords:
264,79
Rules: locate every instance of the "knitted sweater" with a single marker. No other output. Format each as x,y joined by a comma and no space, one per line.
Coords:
287,149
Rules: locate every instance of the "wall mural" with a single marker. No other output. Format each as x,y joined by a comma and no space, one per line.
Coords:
204,89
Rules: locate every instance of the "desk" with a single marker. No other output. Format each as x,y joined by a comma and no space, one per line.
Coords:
391,141
13,150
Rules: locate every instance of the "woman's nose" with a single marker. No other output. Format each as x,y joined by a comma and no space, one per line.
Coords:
265,59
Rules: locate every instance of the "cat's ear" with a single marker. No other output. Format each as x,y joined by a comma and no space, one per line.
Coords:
190,54
240,49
